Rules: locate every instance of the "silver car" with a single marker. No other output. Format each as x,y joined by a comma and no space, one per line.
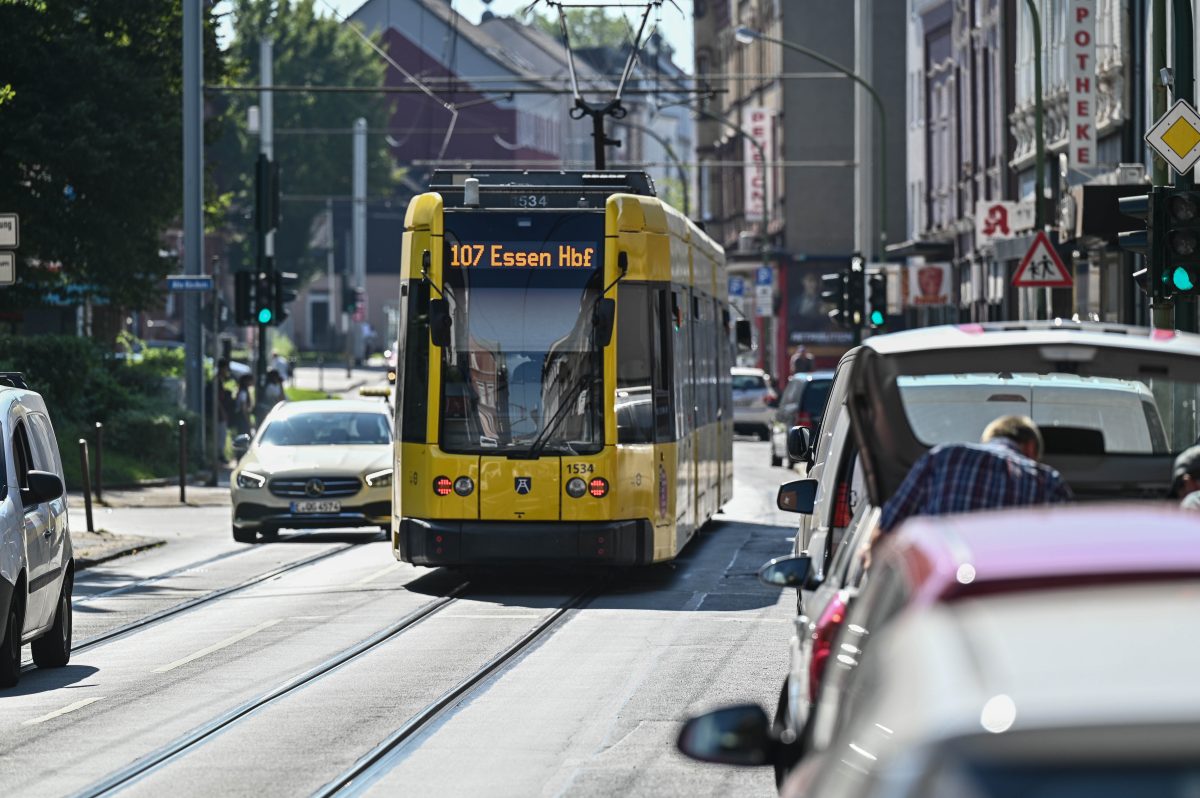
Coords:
318,464
754,402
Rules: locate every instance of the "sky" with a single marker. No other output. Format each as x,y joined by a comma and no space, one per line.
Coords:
676,22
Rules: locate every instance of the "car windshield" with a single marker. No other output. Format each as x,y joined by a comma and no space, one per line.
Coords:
328,429
1077,415
523,362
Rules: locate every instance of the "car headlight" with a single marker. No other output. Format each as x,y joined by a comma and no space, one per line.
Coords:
248,479
380,479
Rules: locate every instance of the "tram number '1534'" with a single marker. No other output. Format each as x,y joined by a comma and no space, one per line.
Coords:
531,201
579,468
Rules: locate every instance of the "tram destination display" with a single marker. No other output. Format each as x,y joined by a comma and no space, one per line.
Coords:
523,255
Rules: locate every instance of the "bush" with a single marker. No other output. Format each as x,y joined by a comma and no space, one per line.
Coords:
82,384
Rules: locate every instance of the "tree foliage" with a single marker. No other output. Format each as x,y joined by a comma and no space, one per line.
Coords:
90,125
313,145
587,27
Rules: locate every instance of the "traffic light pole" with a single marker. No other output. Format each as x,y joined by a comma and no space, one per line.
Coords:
1183,80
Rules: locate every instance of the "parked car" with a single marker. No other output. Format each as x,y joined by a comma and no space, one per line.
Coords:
1095,390
981,661
801,405
37,570
316,464
753,402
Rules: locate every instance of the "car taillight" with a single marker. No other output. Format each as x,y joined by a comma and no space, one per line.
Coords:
841,506
824,633
803,419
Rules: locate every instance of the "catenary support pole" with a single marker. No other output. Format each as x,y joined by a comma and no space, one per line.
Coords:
193,196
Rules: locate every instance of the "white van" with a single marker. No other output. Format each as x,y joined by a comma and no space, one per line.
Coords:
36,559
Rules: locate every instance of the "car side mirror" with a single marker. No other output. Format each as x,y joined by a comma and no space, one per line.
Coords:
43,487
742,331
606,315
800,444
737,735
439,322
241,445
791,571
799,496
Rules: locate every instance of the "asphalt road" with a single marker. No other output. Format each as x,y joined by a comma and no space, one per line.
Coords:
207,667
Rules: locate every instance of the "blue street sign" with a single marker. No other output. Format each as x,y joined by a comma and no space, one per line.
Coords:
763,276
189,282
737,286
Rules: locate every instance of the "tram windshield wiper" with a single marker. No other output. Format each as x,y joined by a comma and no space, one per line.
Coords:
570,397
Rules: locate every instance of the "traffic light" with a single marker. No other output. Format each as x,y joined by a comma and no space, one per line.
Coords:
286,286
877,299
1181,269
349,299
833,292
243,303
1148,241
856,291
264,299
266,194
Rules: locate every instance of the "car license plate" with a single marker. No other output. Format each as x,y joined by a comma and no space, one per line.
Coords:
317,507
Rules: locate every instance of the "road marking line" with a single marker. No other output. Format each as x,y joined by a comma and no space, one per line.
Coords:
366,580
229,641
68,708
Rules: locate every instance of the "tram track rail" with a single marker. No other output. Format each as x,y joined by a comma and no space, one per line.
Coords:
163,755
376,762
126,629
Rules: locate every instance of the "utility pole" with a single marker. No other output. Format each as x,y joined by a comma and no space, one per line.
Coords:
359,227
864,239
335,305
1183,85
193,197
266,236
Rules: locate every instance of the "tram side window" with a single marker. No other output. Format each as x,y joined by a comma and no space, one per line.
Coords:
414,380
635,354
664,370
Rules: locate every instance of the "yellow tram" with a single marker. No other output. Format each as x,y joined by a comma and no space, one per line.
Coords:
564,391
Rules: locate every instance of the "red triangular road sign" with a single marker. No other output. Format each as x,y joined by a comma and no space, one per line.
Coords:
1041,267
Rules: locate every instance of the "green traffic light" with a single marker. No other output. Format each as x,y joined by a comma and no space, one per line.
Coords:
264,316
877,318
1182,279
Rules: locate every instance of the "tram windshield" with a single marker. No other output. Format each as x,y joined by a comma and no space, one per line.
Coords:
523,371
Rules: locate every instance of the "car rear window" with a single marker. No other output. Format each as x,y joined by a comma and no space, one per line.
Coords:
1064,780
748,382
815,396
1077,415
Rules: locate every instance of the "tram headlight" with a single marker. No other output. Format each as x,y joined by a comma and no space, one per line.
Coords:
576,487
598,487
463,486
442,486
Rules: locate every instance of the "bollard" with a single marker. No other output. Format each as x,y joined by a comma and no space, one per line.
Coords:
84,468
321,373
182,461
99,478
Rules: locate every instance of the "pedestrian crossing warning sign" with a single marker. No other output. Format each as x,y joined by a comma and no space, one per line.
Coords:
1042,267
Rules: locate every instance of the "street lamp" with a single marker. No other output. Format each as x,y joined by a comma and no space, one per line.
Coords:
745,35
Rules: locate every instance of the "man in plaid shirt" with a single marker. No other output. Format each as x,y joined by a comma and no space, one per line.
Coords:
1003,471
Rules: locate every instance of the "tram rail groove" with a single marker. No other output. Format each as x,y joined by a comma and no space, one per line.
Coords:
363,771
192,739
153,618
183,569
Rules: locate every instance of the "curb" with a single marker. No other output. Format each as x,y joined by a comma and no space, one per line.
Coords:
134,545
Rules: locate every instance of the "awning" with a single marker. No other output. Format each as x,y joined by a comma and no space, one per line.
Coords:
932,250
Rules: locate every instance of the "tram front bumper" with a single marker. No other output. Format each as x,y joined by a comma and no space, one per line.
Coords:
429,542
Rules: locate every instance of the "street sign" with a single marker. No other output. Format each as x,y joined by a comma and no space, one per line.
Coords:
189,282
1176,136
1041,267
737,285
10,231
764,275
764,301
8,268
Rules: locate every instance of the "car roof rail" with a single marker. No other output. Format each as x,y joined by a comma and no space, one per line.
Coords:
14,379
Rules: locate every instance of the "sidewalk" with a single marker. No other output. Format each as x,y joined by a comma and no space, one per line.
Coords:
335,380
92,548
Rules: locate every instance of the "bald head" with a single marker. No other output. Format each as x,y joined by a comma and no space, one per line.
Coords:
1020,430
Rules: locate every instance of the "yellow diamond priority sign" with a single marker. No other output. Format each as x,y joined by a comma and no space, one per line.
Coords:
1176,137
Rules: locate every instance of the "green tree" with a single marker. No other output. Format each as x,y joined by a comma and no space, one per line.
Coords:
90,130
587,27
313,145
